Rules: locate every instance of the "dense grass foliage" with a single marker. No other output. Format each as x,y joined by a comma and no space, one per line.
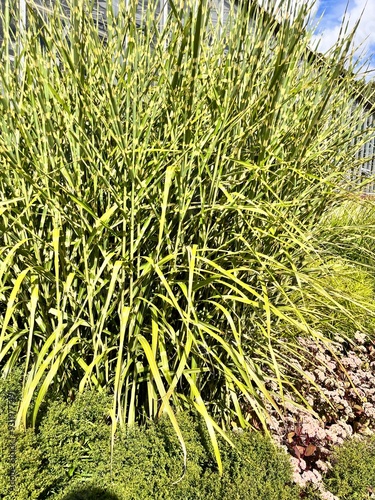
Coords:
347,242
68,457
160,194
352,221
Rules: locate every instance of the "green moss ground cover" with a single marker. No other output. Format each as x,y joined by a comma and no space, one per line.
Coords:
69,456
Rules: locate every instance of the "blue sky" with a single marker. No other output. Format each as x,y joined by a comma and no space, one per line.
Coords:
332,13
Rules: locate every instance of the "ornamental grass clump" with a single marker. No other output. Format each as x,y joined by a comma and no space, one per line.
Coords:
160,190
354,219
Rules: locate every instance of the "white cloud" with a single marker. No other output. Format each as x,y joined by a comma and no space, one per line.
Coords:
333,19
364,41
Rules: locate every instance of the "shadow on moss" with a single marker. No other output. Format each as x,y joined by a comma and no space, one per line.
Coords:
90,493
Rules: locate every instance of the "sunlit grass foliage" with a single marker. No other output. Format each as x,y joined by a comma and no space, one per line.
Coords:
352,221
160,193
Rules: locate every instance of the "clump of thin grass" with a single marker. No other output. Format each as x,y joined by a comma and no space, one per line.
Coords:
159,194
349,230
